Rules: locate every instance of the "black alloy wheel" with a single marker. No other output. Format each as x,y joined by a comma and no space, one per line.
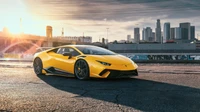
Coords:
37,64
81,69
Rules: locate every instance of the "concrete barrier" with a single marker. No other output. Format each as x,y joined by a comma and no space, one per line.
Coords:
15,60
168,61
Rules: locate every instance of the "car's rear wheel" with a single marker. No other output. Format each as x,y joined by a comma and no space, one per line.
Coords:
37,65
81,69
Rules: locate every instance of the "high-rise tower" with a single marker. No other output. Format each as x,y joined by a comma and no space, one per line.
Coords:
178,33
158,31
137,35
143,34
147,34
185,31
192,32
172,33
166,32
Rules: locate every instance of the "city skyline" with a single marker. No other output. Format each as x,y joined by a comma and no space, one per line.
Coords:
93,17
182,32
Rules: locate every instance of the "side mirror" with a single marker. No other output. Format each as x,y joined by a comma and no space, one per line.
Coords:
67,54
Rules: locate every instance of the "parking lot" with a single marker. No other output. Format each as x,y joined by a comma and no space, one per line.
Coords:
159,87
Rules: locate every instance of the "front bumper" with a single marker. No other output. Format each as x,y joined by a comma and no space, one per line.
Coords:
118,73
98,70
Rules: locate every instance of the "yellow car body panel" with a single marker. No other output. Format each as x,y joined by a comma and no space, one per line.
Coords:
117,62
123,64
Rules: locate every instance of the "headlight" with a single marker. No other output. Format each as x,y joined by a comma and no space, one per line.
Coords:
104,63
134,64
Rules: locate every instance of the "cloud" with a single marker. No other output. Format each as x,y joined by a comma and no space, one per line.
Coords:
113,9
121,16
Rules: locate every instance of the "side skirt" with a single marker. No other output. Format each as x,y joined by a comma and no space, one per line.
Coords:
56,71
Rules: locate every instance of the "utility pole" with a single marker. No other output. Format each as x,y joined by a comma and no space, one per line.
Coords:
83,37
99,39
107,33
21,26
62,32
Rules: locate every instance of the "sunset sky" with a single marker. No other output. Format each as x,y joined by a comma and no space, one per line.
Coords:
93,17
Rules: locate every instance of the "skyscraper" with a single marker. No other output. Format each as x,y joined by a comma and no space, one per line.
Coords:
192,32
137,35
147,33
172,33
166,32
177,33
158,31
152,38
143,33
128,38
185,31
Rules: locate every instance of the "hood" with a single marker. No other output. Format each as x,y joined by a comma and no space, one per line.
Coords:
112,59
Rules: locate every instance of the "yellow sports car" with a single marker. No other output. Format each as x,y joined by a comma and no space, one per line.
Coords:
83,62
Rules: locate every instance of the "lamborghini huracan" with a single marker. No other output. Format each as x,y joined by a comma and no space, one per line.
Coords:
83,62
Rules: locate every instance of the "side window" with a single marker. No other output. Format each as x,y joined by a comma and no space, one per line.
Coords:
73,52
60,51
68,50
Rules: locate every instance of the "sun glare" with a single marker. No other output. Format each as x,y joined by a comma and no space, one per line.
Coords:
19,20
22,23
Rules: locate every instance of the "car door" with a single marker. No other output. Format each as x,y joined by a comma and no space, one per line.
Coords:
65,63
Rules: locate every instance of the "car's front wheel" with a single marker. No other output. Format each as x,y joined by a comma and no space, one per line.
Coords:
81,69
37,65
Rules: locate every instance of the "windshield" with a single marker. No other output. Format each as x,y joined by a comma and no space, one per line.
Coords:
93,50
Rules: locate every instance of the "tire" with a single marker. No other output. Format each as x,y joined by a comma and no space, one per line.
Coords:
37,65
136,72
81,70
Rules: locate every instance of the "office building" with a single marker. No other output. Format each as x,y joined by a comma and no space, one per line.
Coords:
128,38
158,31
166,33
177,33
147,33
137,35
152,38
143,34
172,33
192,32
185,31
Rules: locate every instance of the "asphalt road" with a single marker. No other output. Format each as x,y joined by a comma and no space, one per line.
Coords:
158,88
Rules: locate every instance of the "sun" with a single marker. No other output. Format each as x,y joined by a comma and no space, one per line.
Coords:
16,18
21,23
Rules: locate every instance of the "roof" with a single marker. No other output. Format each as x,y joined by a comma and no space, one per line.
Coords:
78,46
